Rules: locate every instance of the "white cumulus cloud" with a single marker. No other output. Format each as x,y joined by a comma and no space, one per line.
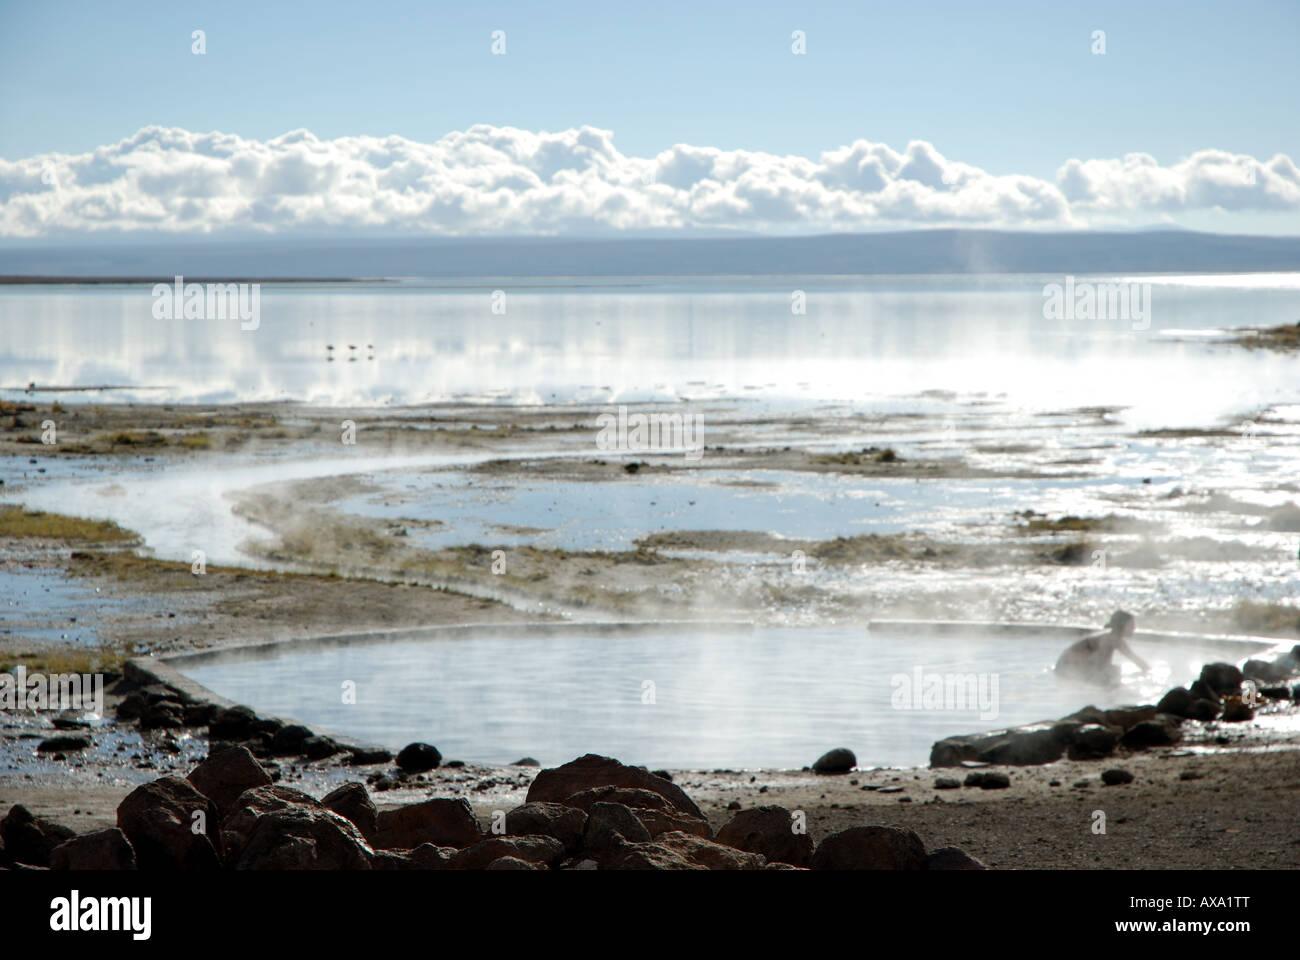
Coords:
502,180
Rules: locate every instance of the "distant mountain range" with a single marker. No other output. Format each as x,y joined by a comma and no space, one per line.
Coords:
910,252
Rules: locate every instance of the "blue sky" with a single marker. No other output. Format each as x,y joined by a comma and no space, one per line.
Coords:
1009,88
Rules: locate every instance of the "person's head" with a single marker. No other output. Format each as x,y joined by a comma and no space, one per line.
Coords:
1122,623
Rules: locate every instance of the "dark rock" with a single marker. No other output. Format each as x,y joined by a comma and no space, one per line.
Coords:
564,823
607,825
952,858
557,784
70,721
352,802
682,851
31,839
238,822
1160,732
1275,692
839,760
233,724
526,762
226,774
418,757
870,848
546,851
654,810
365,756
1235,711
1265,671
1115,777
63,744
200,714
663,775
988,779
1203,710
1023,748
288,741
1200,690
947,783
514,863
769,831
1222,678
102,850
1128,716
442,821
303,837
163,715
159,820
1093,741
318,748
426,856
1177,701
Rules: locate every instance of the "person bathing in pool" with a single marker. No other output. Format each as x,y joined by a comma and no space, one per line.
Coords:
1089,659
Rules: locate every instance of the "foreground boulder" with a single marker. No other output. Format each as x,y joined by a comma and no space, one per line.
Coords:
1177,701
839,760
238,823
609,826
226,774
682,851
159,819
655,811
556,820
442,821
557,784
539,851
870,848
30,839
102,850
952,858
352,802
768,831
303,838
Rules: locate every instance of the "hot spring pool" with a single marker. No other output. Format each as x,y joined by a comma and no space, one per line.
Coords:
677,697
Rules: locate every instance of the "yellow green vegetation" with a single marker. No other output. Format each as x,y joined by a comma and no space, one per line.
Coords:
857,458
17,522
1285,337
106,657
1041,524
1274,619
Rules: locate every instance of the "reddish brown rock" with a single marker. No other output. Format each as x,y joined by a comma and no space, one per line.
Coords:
30,839
159,819
441,821
102,850
768,830
557,784
870,848
226,774
557,820
352,801
303,838
682,851
546,851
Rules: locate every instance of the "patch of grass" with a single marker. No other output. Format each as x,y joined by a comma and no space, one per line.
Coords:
105,658
858,458
196,441
1266,618
1285,337
137,438
17,522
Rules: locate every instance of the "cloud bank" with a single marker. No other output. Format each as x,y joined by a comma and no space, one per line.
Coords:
505,181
